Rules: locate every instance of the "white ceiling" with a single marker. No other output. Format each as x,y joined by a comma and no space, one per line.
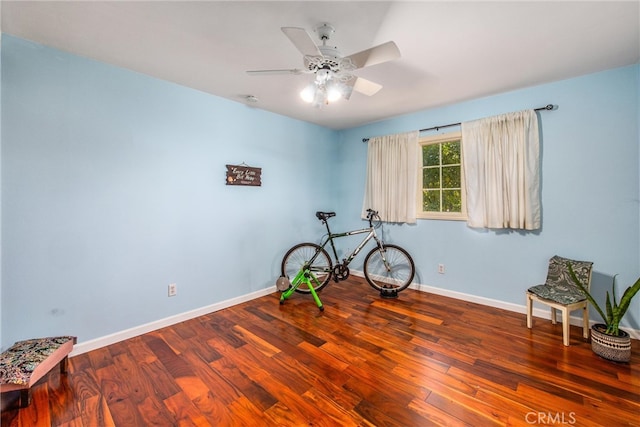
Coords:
451,51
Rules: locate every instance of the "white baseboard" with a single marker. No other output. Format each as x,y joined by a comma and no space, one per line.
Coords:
96,343
537,312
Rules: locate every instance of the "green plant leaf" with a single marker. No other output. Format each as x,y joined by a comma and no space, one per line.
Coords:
586,292
628,294
615,311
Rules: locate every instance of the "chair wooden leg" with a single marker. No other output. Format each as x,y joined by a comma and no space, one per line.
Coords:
529,311
554,319
64,365
585,322
25,397
565,327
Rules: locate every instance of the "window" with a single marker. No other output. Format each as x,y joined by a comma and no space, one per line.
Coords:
441,181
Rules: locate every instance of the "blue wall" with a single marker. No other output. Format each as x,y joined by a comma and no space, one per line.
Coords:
590,191
113,186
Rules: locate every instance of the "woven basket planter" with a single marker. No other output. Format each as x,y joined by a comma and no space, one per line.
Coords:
610,347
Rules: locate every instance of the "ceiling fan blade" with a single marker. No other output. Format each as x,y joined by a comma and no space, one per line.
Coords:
274,72
382,53
364,86
302,40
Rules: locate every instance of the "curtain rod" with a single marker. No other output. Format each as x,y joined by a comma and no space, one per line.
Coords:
546,107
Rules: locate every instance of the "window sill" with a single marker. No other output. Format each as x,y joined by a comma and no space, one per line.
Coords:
442,216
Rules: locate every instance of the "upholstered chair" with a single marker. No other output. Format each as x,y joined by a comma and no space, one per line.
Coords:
560,293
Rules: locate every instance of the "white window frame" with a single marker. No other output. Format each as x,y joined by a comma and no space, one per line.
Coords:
455,216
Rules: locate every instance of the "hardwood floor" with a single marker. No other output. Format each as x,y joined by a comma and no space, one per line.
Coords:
417,360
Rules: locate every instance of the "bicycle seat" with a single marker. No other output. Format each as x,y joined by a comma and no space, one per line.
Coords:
323,216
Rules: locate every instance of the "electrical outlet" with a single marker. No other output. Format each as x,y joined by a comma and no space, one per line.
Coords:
441,268
173,290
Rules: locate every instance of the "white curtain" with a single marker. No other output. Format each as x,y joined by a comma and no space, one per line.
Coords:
502,171
392,167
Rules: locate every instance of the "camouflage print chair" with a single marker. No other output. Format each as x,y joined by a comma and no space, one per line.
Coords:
561,293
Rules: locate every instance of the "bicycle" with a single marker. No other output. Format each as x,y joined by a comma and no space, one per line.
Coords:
388,268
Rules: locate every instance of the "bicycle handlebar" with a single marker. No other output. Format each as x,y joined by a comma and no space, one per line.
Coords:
371,214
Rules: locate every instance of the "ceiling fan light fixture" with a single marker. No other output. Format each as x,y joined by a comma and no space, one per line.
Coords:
308,94
322,94
334,91
323,75
320,98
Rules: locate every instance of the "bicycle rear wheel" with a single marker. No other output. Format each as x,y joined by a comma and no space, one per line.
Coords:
299,255
397,277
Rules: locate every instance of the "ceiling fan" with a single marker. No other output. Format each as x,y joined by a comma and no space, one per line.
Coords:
334,78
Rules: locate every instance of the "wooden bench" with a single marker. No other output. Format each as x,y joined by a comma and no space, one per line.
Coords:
25,362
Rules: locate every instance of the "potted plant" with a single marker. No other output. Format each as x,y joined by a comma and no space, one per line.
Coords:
608,340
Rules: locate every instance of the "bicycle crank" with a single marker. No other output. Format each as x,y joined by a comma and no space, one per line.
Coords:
340,272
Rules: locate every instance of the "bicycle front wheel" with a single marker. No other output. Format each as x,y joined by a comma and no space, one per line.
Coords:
394,274
320,269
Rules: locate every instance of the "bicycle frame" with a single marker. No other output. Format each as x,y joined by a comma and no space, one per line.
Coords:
331,236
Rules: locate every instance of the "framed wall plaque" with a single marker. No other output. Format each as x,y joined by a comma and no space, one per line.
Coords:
244,175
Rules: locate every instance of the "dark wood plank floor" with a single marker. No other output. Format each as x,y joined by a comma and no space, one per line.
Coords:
417,360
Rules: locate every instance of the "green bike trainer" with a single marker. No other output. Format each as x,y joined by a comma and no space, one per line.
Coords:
304,276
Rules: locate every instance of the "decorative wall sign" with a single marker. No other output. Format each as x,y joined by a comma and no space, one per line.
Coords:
243,175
